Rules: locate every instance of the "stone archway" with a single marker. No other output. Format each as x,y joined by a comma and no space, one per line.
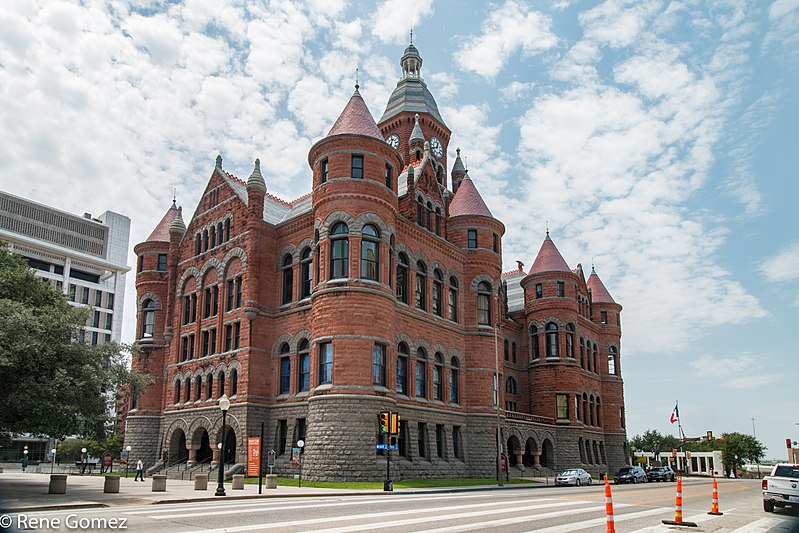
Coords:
178,453
514,451
532,456
229,447
548,454
204,452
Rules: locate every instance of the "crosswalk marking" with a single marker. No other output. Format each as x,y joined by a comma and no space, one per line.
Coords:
383,524
760,526
566,528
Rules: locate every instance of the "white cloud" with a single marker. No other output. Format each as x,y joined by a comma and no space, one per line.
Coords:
393,19
511,27
617,23
515,91
747,371
446,86
782,267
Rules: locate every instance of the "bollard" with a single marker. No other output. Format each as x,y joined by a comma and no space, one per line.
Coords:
271,481
58,484
611,522
678,509
714,506
238,481
111,485
201,482
159,483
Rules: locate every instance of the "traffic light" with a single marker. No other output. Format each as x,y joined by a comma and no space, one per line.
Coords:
674,452
688,455
788,443
394,426
709,435
384,421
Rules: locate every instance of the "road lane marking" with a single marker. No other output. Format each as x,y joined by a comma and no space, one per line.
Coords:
760,526
382,524
565,528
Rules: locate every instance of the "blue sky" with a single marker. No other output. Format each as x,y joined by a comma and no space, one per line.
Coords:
658,139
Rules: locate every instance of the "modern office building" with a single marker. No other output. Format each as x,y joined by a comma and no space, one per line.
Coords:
380,290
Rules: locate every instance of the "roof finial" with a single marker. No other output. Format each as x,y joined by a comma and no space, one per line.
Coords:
593,271
174,196
356,80
547,226
411,31
219,161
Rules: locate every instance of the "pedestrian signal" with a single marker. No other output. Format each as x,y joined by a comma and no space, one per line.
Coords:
384,421
394,425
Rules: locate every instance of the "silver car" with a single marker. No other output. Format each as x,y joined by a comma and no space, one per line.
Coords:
574,476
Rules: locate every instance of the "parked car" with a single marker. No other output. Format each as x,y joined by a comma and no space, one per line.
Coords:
661,473
630,474
574,476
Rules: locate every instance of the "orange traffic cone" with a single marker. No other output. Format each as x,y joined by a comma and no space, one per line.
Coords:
611,523
678,509
714,507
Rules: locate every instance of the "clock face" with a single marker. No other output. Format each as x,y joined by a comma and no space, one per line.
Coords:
393,141
435,146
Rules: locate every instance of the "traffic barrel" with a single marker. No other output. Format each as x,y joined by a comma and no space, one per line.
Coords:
678,509
714,507
611,523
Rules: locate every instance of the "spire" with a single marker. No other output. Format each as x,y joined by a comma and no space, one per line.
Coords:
356,119
411,62
161,231
458,166
411,94
467,201
177,227
549,259
256,182
599,293
416,134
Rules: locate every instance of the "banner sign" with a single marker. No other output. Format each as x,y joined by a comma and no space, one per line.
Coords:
253,456
295,457
108,459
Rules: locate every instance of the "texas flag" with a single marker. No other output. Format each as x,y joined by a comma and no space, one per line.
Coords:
675,415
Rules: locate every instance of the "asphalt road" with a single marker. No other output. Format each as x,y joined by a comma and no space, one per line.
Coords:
637,508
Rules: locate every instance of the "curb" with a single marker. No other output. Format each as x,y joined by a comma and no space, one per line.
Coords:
59,507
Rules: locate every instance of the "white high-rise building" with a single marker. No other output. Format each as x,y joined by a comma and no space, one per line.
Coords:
84,256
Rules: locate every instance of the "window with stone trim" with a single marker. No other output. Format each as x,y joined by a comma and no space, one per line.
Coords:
561,289
402,278
325,363
562,406
570,340
484,303
440,440
389,180
339,256
357,166
421,439
288,280
534,350
471,238
596,359
306,270
209,386
453,299
437,307
612,354
379,365
507,350
457,443
403,356
421,373
177,391
421,286
582,353
234,382
285,370
438,377
454,380
148,318
539,291
161,263
370,253
553,349
304,375
324,170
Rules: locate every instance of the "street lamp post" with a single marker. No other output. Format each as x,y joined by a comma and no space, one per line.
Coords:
25,459
224,405
84,459
127,460
52,463
754,436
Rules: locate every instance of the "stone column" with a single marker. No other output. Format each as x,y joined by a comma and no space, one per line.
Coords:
519,459
215,456
536,458
192,448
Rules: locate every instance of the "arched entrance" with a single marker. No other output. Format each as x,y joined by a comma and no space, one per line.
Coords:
530,453
204,452
178,453
229,447
547,454
514,450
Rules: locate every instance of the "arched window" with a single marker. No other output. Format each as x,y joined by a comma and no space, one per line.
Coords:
437,307
220,233
402,368
453,299
306,269
188,390
370,253
421,373
234,382
339,256
534,352
304,376
612,361
454,385
438,221
177,391
510,385
591,410
484,303
438,377
513,352
596,359
227,230
402,278
428,213
285,369
570,340
221,379
212,236
205,240
507,350
419,209
421,286
199,244
585,408
552,340
148,319
582,352
199,387
209,386
598,412
288,279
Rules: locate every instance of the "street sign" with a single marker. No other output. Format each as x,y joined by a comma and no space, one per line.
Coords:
386,447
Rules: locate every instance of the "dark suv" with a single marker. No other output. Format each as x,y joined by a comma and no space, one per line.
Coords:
630,474
661,473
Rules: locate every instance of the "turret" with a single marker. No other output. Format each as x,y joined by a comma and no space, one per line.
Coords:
458,171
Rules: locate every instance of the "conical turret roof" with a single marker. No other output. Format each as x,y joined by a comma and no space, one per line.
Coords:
599,293
161,231
458,166
178,227
356,119
467,201
549,259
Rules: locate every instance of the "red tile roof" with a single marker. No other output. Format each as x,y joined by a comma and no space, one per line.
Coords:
161,231
467,201
356,119
549,259
599,294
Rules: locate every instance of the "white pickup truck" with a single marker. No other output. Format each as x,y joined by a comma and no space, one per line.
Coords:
781,488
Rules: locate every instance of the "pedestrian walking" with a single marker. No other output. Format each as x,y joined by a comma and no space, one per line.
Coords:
139,471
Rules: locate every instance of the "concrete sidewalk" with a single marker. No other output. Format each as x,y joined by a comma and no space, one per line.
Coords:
29,491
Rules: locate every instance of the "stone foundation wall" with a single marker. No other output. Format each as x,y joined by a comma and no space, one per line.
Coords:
142,435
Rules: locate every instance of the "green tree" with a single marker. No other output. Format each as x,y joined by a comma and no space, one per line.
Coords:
737,448
51,385
653,441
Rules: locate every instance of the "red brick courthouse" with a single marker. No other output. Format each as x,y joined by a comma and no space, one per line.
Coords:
382,289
